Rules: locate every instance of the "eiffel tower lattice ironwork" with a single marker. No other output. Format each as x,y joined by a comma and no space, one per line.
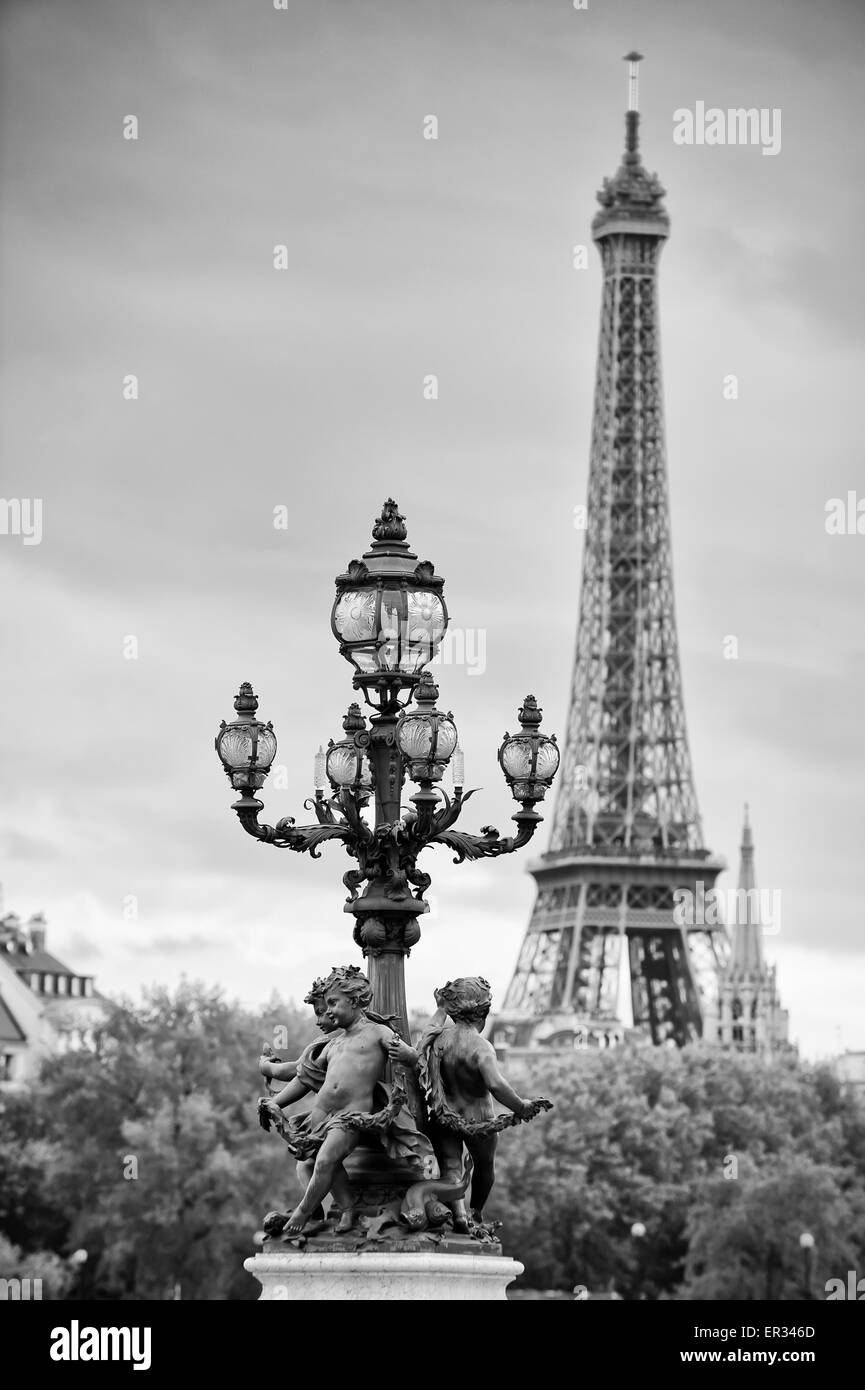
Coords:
626,834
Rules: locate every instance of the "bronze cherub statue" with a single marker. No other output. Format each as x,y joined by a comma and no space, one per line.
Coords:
350,1100
460,1077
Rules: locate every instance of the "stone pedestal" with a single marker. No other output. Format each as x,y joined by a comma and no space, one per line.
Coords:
382,1277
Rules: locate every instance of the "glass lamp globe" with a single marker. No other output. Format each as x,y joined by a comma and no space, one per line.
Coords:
246,747
529,759
346,762
426,737
389,615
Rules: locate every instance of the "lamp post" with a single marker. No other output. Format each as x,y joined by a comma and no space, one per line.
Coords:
76,1262
806,1244
638,1236
389,617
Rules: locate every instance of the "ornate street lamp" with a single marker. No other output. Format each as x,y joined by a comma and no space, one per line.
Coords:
530,760
346,763
638,1236
389,617
246,747
426,737
427,740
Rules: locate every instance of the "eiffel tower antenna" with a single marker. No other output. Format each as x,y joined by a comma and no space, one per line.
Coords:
633,60
626,855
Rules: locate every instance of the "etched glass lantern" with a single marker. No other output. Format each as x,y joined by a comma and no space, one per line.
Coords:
389,615
346,763
426,737
246,747
529,759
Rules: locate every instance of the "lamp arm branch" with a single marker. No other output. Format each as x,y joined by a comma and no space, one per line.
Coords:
489,844
285,834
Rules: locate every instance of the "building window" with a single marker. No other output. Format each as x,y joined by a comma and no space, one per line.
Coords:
7,1063
62,985
47,984
74,985
88,987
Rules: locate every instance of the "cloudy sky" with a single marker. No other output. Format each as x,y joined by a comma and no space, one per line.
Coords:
304,387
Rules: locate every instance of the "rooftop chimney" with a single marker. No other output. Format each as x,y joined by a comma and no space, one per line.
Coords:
36,931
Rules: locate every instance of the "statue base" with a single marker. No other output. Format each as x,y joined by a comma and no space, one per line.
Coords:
378,1276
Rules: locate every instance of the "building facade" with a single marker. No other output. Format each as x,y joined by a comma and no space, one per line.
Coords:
849,1068
45,1008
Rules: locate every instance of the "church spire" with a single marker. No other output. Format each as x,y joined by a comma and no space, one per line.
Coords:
747,929
751,1017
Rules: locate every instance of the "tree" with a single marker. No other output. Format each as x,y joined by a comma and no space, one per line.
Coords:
152,1153
744,1235
30,1215
668,1139
147,1154
49,1276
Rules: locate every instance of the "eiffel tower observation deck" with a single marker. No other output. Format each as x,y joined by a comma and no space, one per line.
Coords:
609,946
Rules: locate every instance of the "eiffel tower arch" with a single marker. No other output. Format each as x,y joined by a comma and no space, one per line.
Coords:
627,841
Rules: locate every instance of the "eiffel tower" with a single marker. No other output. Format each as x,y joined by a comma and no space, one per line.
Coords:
626,832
